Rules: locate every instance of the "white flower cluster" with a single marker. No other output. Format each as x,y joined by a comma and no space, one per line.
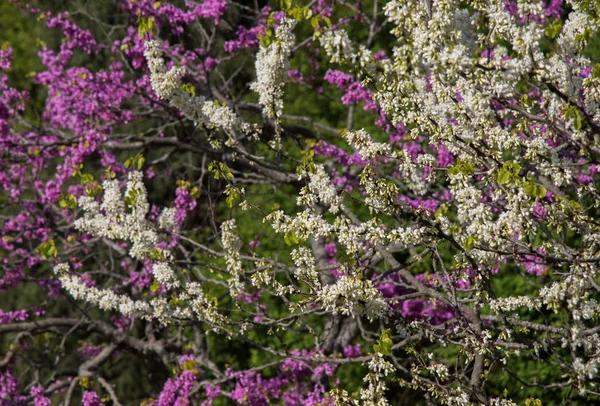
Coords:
302,225
374,393
305,267
167,219
337,45
167,85
585,370
164,83
321,187
119,218
365,145
502,402
272,63
103,298
231,245
125,219
510,304
353,296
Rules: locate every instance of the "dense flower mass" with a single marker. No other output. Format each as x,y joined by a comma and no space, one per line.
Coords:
301,203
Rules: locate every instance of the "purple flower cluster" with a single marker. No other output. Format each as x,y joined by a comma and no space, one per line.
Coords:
340,156
176,391
245,38
184,202
91,398
354,91
39,399
9,390
554,8
352,351
9,317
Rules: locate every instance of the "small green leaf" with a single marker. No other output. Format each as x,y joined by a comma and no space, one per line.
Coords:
470,242
195,192
508,174
188,88
86,178
503,177
441,211
554,28
189,365
291,239
384,345
572,113
155,286
67,202
173,302
131,198
93,190
314,21
596,71
220,170
110,174
48,249
266,39
233,197
145,25
135,162
533,190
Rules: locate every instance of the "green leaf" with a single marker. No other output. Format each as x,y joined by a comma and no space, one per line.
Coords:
554,28
131,198
173,302
508,174
291,239
195,192
233,197
586,36
503,177
189,365
136,161
220,170
67,202
48,249
86,178
266,39
442,211
470,242
155,286
188,88
145,25
572,113
533,190
110,174
314,22
93,190
297,13
384,345
596,71
461,166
